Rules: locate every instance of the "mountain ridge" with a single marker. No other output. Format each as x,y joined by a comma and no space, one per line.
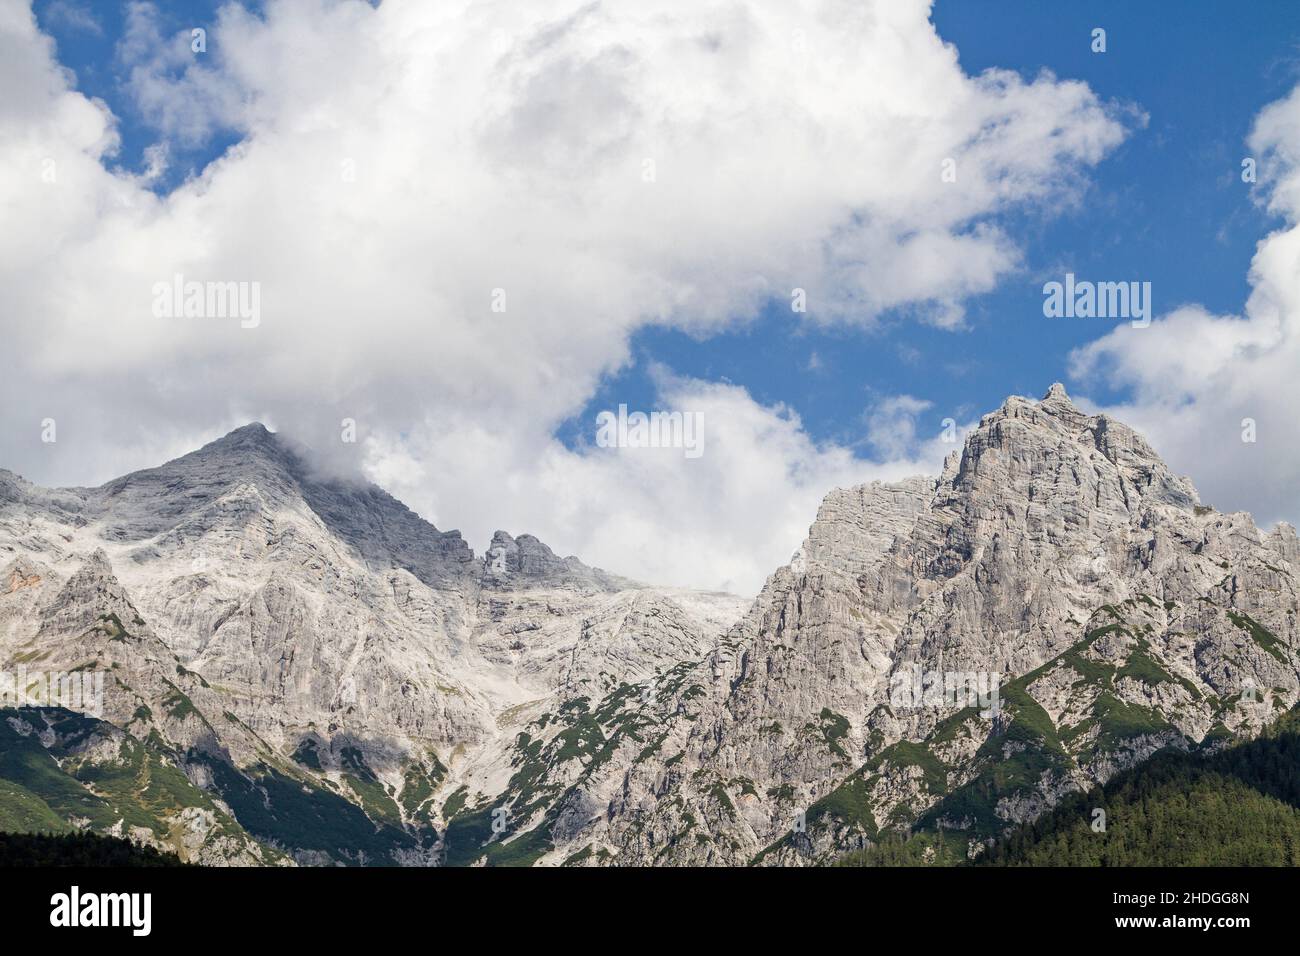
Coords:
520,707
252,452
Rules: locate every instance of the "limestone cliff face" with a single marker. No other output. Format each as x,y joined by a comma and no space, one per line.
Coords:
1057,554
319,631
341,660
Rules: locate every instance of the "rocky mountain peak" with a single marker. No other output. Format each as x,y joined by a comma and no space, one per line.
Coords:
252,433
253,478
1029,444
528,560
1056,555
261,623
1058,404
1056,392
1031,470
253,440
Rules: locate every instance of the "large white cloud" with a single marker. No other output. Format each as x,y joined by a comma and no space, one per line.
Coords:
607,166
1202,382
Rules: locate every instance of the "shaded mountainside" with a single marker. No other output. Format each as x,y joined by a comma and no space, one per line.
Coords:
301,670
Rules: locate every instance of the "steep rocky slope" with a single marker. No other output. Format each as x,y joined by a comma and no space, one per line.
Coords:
1056,554
308,653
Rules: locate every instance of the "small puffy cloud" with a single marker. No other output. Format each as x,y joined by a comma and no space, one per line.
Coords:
891,424
71,16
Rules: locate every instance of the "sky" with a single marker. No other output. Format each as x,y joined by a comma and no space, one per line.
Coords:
476,226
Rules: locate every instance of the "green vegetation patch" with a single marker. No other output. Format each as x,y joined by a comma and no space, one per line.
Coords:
1258,633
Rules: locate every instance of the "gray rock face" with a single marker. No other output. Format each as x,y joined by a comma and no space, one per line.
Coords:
512,563
526,708
1056,555
322,629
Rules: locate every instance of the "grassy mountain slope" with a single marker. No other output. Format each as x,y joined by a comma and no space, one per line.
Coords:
1235,806
1105,704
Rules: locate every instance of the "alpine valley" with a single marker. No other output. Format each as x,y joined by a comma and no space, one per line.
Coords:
300,670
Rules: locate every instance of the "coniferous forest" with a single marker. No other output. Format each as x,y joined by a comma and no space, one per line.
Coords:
77,849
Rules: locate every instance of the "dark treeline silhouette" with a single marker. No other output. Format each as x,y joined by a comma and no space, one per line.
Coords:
77,849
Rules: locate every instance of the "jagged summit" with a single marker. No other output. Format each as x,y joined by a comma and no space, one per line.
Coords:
253,431
526,558
248,454
253,438
242,447
1044,442
1058,402
364,515
252,474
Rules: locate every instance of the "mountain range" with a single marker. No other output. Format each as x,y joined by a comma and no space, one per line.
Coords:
300,670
